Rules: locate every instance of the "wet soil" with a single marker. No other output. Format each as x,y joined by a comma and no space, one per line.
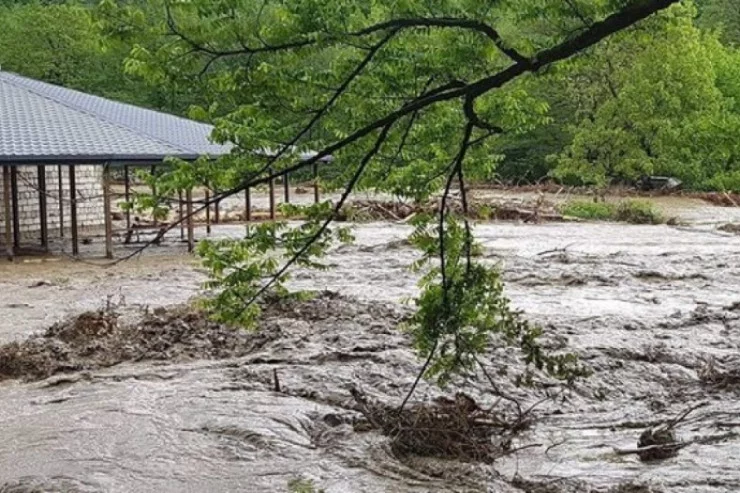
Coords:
168,403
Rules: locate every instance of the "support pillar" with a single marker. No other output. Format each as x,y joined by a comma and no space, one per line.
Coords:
43,216
286,188
247,207
208,211
272,195
181,215
127,195
154,173
107,212
189,219
14,207
61,201
73,209
7,212
316,183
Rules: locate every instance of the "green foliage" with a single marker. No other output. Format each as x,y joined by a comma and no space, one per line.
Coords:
629,211
51,42
638,212
83,45
462,311
588,209
303,486
723,16
241,270
655,100
724,182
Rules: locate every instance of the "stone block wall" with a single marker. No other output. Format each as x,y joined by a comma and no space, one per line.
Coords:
90,207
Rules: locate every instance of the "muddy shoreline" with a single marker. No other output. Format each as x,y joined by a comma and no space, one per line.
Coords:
653,310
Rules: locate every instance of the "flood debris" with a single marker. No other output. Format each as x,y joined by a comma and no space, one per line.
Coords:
730,228
561,485
660,442
104,338
100,339
719,375
457,428
723,199
503,210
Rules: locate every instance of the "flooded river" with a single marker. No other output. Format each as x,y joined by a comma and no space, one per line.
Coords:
653,310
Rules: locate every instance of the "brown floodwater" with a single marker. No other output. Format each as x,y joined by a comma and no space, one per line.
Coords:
646,307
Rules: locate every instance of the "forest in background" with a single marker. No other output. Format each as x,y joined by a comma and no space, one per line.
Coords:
661,98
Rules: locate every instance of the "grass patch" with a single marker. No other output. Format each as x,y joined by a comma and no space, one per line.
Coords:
595,211
628,211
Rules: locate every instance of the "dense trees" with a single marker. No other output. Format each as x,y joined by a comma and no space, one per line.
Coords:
660,98
84,45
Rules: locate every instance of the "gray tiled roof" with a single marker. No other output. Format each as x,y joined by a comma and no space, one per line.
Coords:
44,122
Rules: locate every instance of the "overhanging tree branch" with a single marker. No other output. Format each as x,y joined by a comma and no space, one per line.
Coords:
322,229
618,21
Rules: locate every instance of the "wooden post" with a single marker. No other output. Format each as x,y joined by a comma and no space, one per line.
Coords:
189,219
153,173
14,206
181,215
208,211
61,201
127,195
7,212
272,195
316,183
73,209
107,212
42,207
286,188
247,208
247,204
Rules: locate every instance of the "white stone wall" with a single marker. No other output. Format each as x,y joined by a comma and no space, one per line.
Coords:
90,208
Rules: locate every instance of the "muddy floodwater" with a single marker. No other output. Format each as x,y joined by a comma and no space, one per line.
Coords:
654,311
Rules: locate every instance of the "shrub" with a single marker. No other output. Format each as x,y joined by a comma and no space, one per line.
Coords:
628,211
723,182
638,212
595,211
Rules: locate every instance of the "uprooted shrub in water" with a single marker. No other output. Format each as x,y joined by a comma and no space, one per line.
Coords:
456,428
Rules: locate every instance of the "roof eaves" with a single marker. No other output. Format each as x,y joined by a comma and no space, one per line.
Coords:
178,148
